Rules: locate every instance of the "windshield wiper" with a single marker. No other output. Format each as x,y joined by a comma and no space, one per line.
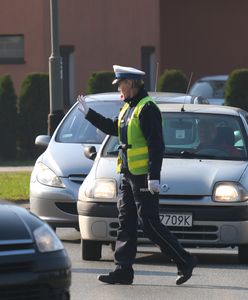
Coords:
172,154
188,154
181,154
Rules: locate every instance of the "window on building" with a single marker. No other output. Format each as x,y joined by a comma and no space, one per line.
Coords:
11,49
149,66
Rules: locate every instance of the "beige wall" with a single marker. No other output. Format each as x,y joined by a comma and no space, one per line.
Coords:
103,33
107,32
204,37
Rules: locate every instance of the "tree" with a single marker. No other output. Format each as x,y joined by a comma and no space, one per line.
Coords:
236,92
33,109
173,81
101,82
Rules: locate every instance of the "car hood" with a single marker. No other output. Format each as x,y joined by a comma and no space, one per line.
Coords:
197,177
67,159
14,218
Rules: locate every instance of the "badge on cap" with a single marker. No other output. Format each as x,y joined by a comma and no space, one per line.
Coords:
126,73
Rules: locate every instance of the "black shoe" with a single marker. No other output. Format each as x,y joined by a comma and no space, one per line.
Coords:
185,274
117,277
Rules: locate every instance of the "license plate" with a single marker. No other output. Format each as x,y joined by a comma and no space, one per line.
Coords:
183,220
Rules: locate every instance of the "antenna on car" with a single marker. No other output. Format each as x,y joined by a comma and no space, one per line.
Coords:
156,78
191,75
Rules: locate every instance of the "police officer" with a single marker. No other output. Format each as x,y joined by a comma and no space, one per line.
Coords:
139,128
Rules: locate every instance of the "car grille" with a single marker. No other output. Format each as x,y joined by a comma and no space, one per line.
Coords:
77,178
194,233
197,232
180,197
16,247
28,292
9,248
70,208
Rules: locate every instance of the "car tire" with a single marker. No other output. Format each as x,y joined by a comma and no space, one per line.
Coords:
53,228
243,254
64,295
91,250
112,245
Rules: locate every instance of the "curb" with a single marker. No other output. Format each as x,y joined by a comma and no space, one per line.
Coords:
16,169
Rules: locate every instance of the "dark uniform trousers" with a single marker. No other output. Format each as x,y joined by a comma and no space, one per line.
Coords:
137,203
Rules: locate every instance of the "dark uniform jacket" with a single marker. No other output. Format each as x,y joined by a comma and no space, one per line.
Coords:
150,124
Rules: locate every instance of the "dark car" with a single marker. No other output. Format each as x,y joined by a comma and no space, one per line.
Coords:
33,262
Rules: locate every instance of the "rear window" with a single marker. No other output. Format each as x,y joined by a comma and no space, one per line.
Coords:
76,129
209,89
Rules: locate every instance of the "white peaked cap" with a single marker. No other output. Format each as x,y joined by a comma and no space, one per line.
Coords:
127,73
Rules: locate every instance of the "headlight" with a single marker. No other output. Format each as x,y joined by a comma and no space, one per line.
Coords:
101,188
46,176
46,239
229,192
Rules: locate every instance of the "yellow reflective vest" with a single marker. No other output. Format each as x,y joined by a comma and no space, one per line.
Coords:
137,153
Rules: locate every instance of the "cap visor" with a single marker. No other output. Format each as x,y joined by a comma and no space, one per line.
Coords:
116,80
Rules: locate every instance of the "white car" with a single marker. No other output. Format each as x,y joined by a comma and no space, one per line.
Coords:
204,191
60,170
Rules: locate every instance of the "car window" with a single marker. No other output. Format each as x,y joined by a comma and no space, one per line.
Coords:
209,89
216,136
76,129
194,135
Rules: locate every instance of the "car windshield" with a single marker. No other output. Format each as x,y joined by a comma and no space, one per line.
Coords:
209,89
196,135
76,129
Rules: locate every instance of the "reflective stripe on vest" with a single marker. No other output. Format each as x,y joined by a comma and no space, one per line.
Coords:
137,155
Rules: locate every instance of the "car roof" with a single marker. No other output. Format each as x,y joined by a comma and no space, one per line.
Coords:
157,96
213,77
202,108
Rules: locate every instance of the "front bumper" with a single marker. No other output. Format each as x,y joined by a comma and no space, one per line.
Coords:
212,225
49,286
46,277
56,206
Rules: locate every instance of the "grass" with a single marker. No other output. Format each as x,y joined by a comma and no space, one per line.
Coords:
14,186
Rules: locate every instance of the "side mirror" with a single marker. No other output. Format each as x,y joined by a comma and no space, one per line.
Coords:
90,152
42,140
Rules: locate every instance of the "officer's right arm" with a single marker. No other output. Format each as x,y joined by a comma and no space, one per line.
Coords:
106,125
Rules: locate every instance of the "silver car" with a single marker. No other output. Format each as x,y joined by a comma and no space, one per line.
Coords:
211,87
204,182
61,169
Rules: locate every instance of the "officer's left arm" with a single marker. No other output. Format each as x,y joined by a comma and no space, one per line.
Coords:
151,126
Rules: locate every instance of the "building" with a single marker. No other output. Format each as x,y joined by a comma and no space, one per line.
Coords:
199,37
